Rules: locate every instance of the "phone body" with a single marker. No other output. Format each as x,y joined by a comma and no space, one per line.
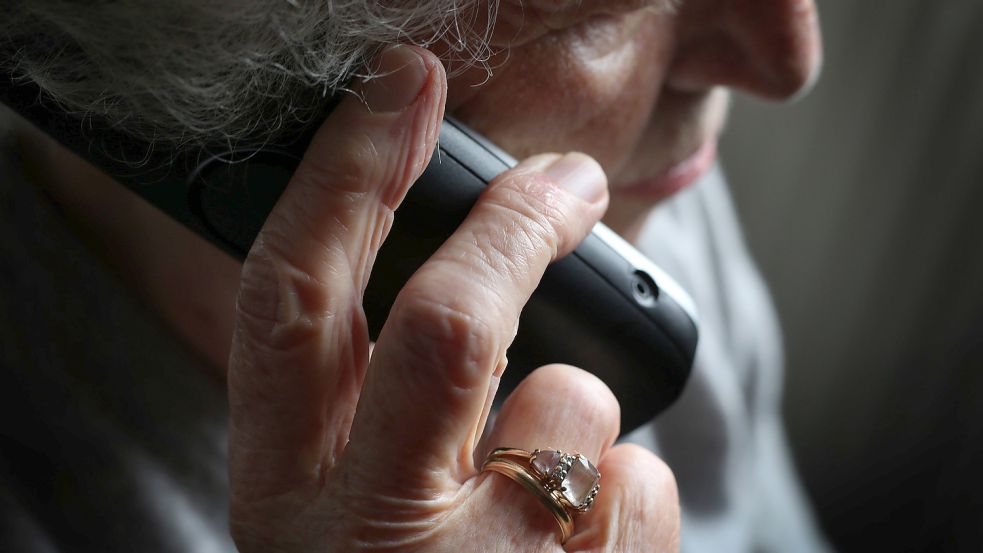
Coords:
605,307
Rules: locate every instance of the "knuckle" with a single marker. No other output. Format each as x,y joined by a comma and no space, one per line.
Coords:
349,168
507,261
537,211
447,339
365,165
280,305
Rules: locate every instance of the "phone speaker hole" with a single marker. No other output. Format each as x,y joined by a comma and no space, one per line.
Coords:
644,288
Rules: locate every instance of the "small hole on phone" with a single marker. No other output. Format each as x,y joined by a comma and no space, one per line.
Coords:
644,288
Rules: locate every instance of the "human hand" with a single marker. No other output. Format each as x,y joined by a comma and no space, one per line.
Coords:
331,450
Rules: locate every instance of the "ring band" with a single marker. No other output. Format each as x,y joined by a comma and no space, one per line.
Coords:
564,483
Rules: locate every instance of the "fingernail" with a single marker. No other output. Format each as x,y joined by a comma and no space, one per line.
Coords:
580,175
503,363
398,75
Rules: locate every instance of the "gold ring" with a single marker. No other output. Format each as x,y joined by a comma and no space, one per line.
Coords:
564,483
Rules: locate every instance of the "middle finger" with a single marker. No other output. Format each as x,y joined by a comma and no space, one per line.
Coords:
429,375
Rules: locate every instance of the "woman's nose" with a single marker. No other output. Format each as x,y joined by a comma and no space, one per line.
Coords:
768,48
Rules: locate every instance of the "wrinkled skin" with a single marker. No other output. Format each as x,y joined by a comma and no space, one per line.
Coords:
636,85
331,450
335,451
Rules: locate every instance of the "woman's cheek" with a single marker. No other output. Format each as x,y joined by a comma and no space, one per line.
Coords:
590,89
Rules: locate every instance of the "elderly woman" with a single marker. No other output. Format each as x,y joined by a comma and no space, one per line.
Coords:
115,316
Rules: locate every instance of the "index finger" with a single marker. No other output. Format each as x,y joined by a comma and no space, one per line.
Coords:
301,342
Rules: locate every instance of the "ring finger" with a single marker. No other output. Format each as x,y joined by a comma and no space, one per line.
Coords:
558,408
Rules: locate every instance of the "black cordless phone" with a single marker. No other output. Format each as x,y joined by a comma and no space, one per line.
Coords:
604,308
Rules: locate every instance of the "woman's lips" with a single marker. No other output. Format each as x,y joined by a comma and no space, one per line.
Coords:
675,178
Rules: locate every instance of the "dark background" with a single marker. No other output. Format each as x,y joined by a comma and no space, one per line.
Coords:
863,202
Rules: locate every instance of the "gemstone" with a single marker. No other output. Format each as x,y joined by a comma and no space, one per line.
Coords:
580,481
545,461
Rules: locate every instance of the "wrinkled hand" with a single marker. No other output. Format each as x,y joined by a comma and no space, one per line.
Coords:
333,451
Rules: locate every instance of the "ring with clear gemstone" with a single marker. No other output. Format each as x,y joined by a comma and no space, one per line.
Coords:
564,483
574,477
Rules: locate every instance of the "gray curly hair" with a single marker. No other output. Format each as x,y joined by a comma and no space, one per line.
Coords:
214,73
